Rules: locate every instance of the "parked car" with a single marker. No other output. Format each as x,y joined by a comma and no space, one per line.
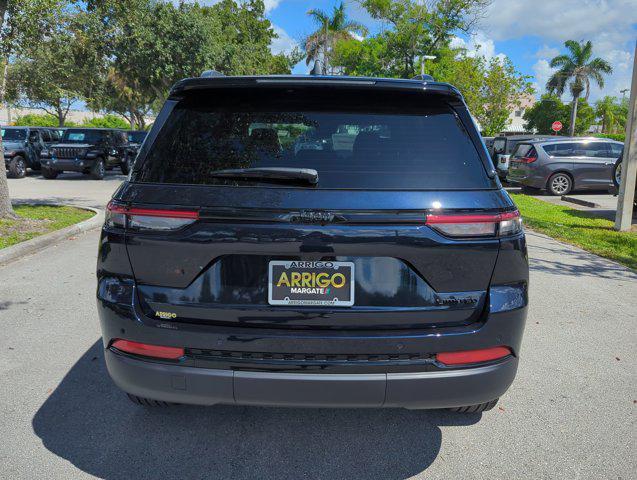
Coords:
22,148
488,142
388,273
87,150
135,140
617,177
562,165
502,148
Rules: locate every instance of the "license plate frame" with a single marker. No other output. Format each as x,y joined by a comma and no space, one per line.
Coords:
284,294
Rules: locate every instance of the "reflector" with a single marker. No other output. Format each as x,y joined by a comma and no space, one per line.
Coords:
473,356
146,350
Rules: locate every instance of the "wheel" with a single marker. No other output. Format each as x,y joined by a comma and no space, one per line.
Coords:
126,165
17,167
147,402
98,170
560,184
617,173
481,407
49,173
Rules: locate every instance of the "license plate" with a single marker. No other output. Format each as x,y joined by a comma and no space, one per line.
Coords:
292,282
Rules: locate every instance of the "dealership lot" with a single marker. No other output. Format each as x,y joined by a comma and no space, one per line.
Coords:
569,414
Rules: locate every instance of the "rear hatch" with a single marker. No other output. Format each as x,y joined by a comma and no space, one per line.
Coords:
395,225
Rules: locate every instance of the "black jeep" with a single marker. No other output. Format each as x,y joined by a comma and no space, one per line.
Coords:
22,147
87,150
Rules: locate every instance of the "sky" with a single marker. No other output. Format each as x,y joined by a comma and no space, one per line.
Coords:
529,32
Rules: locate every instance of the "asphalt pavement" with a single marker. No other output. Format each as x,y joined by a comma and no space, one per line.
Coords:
570,413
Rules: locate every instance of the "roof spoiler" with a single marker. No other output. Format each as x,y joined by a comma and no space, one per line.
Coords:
211,73
424,78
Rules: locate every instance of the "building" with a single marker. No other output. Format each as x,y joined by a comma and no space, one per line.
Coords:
515,124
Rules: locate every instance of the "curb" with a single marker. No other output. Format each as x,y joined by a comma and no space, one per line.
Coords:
15,252
577,201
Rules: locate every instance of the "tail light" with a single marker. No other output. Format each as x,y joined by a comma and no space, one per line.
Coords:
527,159
146,350
468,357
118,215
481,225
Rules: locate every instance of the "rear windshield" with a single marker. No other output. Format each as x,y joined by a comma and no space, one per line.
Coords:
352,141
14,134
523,150
82,136
136,137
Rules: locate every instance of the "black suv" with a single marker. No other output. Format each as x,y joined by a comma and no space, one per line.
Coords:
22,148
87,150
135,140
381,264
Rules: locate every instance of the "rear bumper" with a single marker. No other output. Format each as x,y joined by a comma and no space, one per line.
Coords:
414,390
204,381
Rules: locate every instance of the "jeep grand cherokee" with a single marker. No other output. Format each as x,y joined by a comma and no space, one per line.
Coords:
313,241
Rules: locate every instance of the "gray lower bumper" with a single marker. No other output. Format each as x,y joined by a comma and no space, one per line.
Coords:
200,386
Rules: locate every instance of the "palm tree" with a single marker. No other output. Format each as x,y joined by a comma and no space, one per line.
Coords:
319,45
606,109
576,69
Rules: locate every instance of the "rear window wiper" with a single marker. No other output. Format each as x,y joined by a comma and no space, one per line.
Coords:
308,175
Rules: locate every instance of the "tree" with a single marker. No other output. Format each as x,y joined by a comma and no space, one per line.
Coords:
550,108
605,110
331,29
50,77
149,46
491,88
417,29
22,24
576,69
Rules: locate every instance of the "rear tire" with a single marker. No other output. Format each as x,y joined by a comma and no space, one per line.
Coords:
617,173
17,167
481,407
98,170
147,402
560,184
49,173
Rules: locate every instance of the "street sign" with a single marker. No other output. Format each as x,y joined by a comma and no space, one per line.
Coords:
556,126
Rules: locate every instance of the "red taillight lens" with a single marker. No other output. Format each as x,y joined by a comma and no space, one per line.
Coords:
148,218
473,356
155,351
479,225
527,159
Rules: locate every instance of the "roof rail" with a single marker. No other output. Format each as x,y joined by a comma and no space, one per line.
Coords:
424,78
211,73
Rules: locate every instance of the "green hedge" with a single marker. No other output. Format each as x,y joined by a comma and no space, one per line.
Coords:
620,137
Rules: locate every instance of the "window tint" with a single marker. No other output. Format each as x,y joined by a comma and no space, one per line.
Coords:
616,149
524,150
83,136
350,143
14,134
597,149
560,149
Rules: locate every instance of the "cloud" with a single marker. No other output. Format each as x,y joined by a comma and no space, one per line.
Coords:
284,43
609,24
478,44
559,21
271,5
543,72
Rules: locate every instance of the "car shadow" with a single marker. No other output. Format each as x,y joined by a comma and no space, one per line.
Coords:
89,422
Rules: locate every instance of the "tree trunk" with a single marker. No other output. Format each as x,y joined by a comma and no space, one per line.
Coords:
571,128
6,210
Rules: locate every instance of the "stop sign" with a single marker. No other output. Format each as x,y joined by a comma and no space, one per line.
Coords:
556,126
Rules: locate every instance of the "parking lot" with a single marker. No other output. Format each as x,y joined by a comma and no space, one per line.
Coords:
569,414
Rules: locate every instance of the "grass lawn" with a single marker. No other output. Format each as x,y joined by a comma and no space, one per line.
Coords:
591,233
37,220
